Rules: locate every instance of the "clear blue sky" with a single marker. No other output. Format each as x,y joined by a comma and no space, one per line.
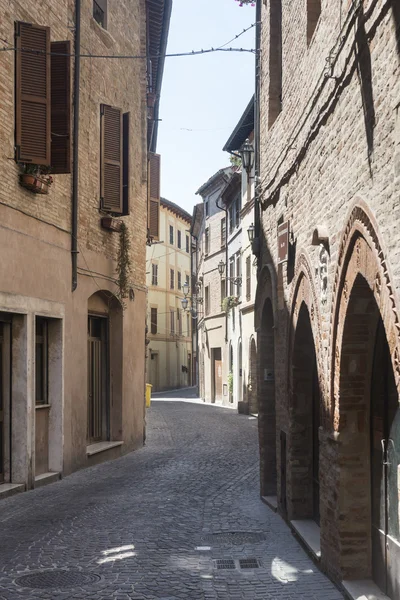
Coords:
207,93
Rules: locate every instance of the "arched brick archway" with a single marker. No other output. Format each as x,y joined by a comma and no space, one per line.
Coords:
306,398
365,342
264,322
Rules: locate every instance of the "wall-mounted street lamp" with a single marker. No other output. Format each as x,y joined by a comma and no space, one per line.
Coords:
185,301
247,155
251,233
185,289
221,271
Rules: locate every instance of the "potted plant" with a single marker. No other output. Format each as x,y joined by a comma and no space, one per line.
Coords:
229,302
35,178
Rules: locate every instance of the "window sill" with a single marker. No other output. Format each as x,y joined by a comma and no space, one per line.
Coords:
40,406
101,447
102,33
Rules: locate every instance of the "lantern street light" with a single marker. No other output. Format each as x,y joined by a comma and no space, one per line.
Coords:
185,289
185,303
221,270
221,267
251,233
247,155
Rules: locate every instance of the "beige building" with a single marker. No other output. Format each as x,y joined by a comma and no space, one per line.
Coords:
169,355
72,328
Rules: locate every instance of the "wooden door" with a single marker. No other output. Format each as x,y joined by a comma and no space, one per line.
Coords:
217,375
97,429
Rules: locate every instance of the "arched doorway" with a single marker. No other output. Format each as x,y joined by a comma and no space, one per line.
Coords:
305,422
369,426
266,402
231,377
253,374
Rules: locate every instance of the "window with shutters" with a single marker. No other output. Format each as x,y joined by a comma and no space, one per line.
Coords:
238,206
223,231
207,241
232,276
153,321
171,235
43,99
153,211
206,206
223,290
172,321
207,300
313,15
179,239
187,324
188,281
179,280
179,320
33,94
172,279
100,12
231,218
187,244
248,278
154,274
111,159
238,271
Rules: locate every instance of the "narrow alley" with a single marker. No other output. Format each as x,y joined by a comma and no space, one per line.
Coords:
154,523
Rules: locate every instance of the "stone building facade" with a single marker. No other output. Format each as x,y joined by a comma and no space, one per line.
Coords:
73,360
327,305
169,355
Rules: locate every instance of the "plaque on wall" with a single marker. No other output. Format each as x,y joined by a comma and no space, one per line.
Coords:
283,242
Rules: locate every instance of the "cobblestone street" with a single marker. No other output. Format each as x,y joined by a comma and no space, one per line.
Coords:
143,526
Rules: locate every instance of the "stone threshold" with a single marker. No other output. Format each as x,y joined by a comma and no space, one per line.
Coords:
46,478
101,447
10,489
309,533
271,501
363,589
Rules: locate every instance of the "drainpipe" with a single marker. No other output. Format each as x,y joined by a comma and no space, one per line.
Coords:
77,72
226,264
257,221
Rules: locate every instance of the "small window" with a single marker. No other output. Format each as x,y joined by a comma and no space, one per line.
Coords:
171,235
179,239
237,211
179,280
153,321
187,324
248,278
187,244
172,318
188,280
154,274
206,208
207,300
41,361
100,12
223,231
238,271
223,290
313,15
172,279
207,241
231,218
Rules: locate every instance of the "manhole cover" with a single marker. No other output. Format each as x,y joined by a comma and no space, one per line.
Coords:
234,537
56,579
223,563
249,563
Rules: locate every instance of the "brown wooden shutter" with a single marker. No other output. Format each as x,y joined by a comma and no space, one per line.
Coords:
125,170
61,107
154,195
111,159
33,94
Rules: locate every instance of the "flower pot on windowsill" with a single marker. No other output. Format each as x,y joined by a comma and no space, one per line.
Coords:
34,183
111,224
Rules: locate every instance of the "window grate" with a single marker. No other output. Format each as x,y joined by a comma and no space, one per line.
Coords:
224,564
249,563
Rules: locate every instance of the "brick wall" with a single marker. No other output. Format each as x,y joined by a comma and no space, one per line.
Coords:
334,145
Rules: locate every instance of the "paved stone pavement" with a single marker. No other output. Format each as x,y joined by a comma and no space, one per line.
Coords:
143,527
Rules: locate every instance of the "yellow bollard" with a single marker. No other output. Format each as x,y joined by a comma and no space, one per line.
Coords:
148,394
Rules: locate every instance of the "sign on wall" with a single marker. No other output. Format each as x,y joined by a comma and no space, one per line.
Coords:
283,242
